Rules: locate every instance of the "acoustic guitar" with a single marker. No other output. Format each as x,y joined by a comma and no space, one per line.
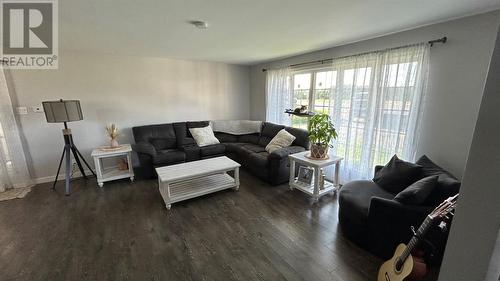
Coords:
404,266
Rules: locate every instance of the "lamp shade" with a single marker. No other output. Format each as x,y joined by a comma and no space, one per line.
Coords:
62,111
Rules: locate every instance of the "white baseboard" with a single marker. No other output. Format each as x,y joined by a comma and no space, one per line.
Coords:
62,176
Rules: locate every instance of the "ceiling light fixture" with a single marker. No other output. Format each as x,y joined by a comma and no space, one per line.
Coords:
199,24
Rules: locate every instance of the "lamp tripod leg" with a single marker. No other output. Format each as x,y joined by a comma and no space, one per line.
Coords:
75,155
59,168
83,159
68,169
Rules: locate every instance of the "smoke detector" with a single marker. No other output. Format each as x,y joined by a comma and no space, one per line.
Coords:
199,24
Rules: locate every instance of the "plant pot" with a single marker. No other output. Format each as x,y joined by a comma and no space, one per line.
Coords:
319,151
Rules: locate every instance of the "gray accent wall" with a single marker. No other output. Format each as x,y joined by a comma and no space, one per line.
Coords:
126,90
493,273
474,231
457,75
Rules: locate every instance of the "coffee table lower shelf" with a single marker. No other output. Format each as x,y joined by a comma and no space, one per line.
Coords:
191,188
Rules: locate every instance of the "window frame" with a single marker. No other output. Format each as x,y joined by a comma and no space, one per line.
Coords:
313,71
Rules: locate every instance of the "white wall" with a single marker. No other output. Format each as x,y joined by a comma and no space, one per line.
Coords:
475,227
129,91
457,75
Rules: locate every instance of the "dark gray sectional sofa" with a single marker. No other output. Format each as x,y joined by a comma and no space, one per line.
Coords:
168,144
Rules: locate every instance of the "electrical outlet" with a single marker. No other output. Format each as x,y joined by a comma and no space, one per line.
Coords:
22,110
37,109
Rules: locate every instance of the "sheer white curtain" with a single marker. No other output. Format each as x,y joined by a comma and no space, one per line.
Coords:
376,107
13,167
279,95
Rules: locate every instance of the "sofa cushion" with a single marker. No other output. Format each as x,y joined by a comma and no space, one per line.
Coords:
233,147
447,184
301,136
213,149
163,143
269,130
181,134
281,140
355,197
417,192
257,159
243,148
430,168
397,175
224,137
168,157
249,138
255,148
264,141
160,131
192,152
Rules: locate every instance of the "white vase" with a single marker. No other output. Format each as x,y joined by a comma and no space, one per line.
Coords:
113,143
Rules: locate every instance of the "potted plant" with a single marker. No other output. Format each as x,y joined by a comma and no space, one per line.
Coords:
321,132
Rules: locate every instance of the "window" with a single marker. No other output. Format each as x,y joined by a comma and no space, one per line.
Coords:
373,99
312,87
344,93
316,87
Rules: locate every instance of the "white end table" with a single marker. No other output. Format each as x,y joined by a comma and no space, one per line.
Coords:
112,173
313,188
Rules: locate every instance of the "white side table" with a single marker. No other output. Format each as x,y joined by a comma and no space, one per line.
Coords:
313,188
112,173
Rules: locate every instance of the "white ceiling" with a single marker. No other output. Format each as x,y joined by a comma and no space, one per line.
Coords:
243,31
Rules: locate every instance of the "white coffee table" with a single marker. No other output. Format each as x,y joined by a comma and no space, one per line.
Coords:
192,179
313,189
105,174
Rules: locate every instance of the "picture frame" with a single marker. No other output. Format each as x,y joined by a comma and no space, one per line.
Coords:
305,175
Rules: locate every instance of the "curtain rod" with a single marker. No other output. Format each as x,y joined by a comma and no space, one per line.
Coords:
431,42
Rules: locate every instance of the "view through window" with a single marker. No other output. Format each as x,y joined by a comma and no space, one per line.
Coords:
345,95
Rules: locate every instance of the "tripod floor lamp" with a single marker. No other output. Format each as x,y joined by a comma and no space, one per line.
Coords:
64,111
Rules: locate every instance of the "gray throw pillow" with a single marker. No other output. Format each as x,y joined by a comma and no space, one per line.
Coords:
397,175
417,192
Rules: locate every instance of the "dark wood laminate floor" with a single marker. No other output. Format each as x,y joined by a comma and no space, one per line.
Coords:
124,232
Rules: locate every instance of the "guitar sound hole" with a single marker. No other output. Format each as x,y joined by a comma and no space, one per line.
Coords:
398,266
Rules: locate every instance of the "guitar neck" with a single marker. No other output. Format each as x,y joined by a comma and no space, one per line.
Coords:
415,239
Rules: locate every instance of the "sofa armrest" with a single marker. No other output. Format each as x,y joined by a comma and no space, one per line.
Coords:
145,148
285,151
